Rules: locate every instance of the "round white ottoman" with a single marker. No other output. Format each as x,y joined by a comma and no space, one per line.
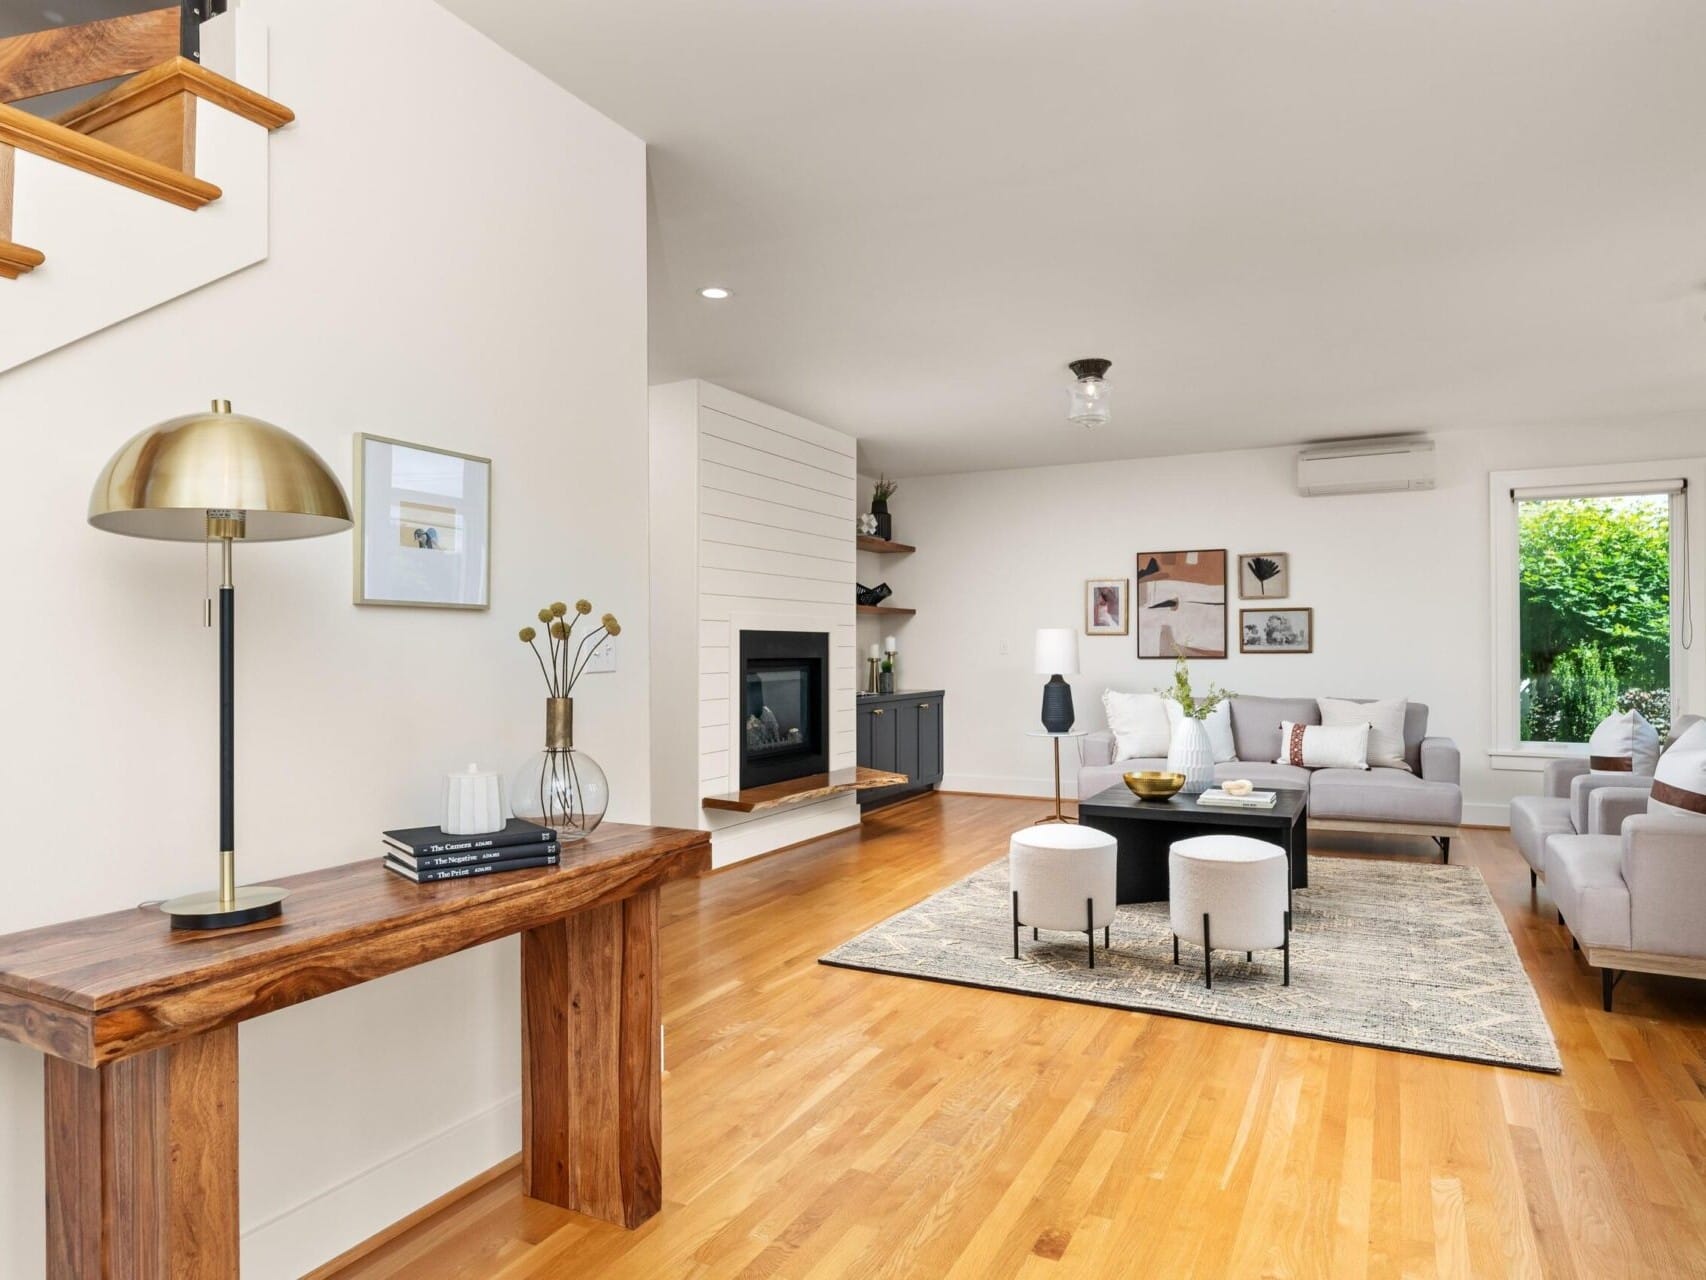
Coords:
1063,877
1229,892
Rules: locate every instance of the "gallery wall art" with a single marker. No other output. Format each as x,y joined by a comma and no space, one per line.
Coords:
1276,630
1181,604
1106,605
423,526
1264,576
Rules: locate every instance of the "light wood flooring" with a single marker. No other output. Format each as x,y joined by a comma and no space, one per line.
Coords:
823,1122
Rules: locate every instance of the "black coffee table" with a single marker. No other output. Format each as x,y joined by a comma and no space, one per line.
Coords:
1146,830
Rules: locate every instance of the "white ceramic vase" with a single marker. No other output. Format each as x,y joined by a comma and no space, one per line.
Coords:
1189,753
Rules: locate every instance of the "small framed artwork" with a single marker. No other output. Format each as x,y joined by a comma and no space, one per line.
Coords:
1181,604
423,526
1276,630
1105,601
1264,577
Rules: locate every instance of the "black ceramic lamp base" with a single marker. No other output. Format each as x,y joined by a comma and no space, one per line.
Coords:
1057,706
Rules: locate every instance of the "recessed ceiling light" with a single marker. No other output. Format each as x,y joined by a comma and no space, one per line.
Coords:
714,292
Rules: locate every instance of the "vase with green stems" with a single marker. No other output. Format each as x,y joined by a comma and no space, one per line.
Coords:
562,787
881,492
1190,753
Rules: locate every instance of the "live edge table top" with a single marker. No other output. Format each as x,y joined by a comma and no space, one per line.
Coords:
102,988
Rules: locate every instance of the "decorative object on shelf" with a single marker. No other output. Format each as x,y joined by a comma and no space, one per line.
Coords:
423,526
881,492
1105,607
871,595
1181,603
891,664
220,477
426,854
1276,630
872,663
867,525
473,802
1190,752
885,675
1154,784
1057,656
562,787
1089,402
1264,577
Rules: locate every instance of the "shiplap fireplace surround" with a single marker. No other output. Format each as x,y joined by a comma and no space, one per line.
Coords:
752,529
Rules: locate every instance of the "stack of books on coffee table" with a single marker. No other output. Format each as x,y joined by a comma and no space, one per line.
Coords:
425,854
1249,800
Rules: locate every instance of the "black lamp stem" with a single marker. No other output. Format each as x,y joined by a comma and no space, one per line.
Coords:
227,729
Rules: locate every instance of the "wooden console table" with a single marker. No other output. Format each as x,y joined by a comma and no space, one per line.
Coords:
140,1027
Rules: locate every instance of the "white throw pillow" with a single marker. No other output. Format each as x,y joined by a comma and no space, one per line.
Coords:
1385,721
1679,781
1624,743
1218,723
1323,746
1139,724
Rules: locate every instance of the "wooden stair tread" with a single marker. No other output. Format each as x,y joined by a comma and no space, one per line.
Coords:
60,58
53,141
178,75
817,786
16,259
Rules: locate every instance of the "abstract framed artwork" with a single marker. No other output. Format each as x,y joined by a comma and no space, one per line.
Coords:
423,526
1181,604
1276,630
1105,607
1264,576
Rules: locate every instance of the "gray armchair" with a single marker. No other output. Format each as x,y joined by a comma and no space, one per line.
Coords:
1633,894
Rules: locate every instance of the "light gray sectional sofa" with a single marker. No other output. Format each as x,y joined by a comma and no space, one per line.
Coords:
1425,799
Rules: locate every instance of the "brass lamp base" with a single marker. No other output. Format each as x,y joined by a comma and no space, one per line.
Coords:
248,905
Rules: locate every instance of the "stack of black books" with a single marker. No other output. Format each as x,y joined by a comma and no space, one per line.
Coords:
424,854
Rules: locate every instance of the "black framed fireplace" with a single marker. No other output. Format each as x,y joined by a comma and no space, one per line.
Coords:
784,691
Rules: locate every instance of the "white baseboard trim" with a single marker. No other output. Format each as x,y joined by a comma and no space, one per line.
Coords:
296,1241
1475,815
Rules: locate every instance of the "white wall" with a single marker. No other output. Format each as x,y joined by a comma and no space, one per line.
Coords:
752,519
1399,584
458,258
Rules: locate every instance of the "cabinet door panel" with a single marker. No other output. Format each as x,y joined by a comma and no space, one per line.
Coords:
906,737
929,741
884,741
864,745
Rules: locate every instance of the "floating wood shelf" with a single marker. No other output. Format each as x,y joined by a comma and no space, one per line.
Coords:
817,786
883,546
62,58
893,610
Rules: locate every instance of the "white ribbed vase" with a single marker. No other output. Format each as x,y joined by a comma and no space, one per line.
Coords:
1190,754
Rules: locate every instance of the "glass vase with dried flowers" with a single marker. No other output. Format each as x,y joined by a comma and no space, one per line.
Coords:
562,787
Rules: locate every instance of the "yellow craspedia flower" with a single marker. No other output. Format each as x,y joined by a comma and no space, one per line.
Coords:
558,630
583,606
527,635
612,626
545,615
558,609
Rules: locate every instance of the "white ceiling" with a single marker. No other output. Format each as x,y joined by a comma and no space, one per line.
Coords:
1280,221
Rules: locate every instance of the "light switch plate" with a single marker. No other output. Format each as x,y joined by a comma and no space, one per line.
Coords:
603,658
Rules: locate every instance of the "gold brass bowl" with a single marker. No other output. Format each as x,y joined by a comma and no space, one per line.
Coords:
1150,785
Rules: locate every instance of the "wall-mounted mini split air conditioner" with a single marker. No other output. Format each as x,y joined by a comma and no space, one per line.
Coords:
1366,466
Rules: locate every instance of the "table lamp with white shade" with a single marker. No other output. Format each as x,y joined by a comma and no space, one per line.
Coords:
1057,656
222,477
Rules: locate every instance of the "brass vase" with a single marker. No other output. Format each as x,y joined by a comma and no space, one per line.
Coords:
560,787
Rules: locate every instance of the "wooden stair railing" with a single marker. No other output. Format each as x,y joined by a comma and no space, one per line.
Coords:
139,134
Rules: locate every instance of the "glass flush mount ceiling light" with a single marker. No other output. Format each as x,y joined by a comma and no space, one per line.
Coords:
1089,404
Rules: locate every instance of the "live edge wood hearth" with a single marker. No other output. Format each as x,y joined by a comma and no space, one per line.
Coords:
140,1027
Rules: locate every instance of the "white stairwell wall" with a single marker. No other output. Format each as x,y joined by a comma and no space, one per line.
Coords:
113,253
458,258
752,526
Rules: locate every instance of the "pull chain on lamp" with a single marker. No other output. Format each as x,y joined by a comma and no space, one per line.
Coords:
220,476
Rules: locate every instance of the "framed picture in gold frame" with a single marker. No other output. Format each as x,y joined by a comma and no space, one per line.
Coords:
1106,607
423,526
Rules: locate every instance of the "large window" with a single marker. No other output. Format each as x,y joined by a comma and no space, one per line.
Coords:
1594,611
1593,608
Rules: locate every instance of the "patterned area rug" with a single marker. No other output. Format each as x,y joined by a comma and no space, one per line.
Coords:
1387,954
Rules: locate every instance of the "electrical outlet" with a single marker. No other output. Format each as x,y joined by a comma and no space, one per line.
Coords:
1001,651
603,658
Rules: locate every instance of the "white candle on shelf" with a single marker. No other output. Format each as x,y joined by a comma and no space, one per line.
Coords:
889,644
876,652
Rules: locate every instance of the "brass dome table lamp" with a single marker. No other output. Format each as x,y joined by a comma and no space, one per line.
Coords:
220,477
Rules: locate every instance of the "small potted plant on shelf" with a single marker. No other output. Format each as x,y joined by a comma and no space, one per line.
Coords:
1190,752
881,492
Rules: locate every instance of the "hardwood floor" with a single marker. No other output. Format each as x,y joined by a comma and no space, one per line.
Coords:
823,1122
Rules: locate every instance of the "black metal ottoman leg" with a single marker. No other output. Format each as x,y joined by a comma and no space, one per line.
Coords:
1090,924
1015,924
1285,951
1175,948
1207,956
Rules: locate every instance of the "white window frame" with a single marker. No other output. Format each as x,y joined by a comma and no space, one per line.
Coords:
1688,666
